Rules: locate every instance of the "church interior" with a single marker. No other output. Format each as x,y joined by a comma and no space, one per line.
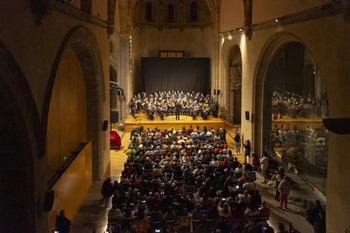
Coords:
275,71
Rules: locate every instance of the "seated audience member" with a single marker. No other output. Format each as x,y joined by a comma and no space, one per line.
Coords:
256,198
268,229
170,215
239,171
141,222
250,186
238,215
114,214
154,200
222,226
218,197
212,213
128,217
183,216
224,210
234,164
157,171
251,213
248,168
281,228
197,213
156,215
244,198
264,211
206,201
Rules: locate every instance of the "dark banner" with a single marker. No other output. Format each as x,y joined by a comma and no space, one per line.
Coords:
167,74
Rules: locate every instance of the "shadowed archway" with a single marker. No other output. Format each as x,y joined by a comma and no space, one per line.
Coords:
21,145
82,42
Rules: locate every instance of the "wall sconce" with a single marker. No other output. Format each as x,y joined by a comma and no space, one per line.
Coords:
239,29
229,36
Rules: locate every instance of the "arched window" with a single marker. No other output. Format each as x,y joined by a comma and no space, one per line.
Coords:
171,13
296,98
149,11
193,12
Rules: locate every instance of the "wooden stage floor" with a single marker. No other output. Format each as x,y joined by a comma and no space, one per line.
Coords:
169,122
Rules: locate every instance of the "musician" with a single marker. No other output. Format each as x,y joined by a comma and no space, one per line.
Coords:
133,107
149,109
196,111
215,108
205,112
161,111
171,107
178,107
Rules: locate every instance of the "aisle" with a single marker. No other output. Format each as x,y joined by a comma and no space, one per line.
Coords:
91,217
118,157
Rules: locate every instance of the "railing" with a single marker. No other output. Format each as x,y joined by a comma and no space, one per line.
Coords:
65,165
298,179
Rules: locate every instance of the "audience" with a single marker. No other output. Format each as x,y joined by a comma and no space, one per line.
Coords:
173,177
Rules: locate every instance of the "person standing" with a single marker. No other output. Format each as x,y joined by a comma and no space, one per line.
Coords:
284,188
316,217
178,108
222,134
278,178
106,192
264,165
237,140
133,107
247,148
63,223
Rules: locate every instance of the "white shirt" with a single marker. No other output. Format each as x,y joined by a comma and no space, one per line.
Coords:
264,163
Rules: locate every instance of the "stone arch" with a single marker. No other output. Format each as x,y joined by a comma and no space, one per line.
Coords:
22,143
270,48
228,47
304,150
82,42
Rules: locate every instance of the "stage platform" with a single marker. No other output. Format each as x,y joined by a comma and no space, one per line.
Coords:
169,122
